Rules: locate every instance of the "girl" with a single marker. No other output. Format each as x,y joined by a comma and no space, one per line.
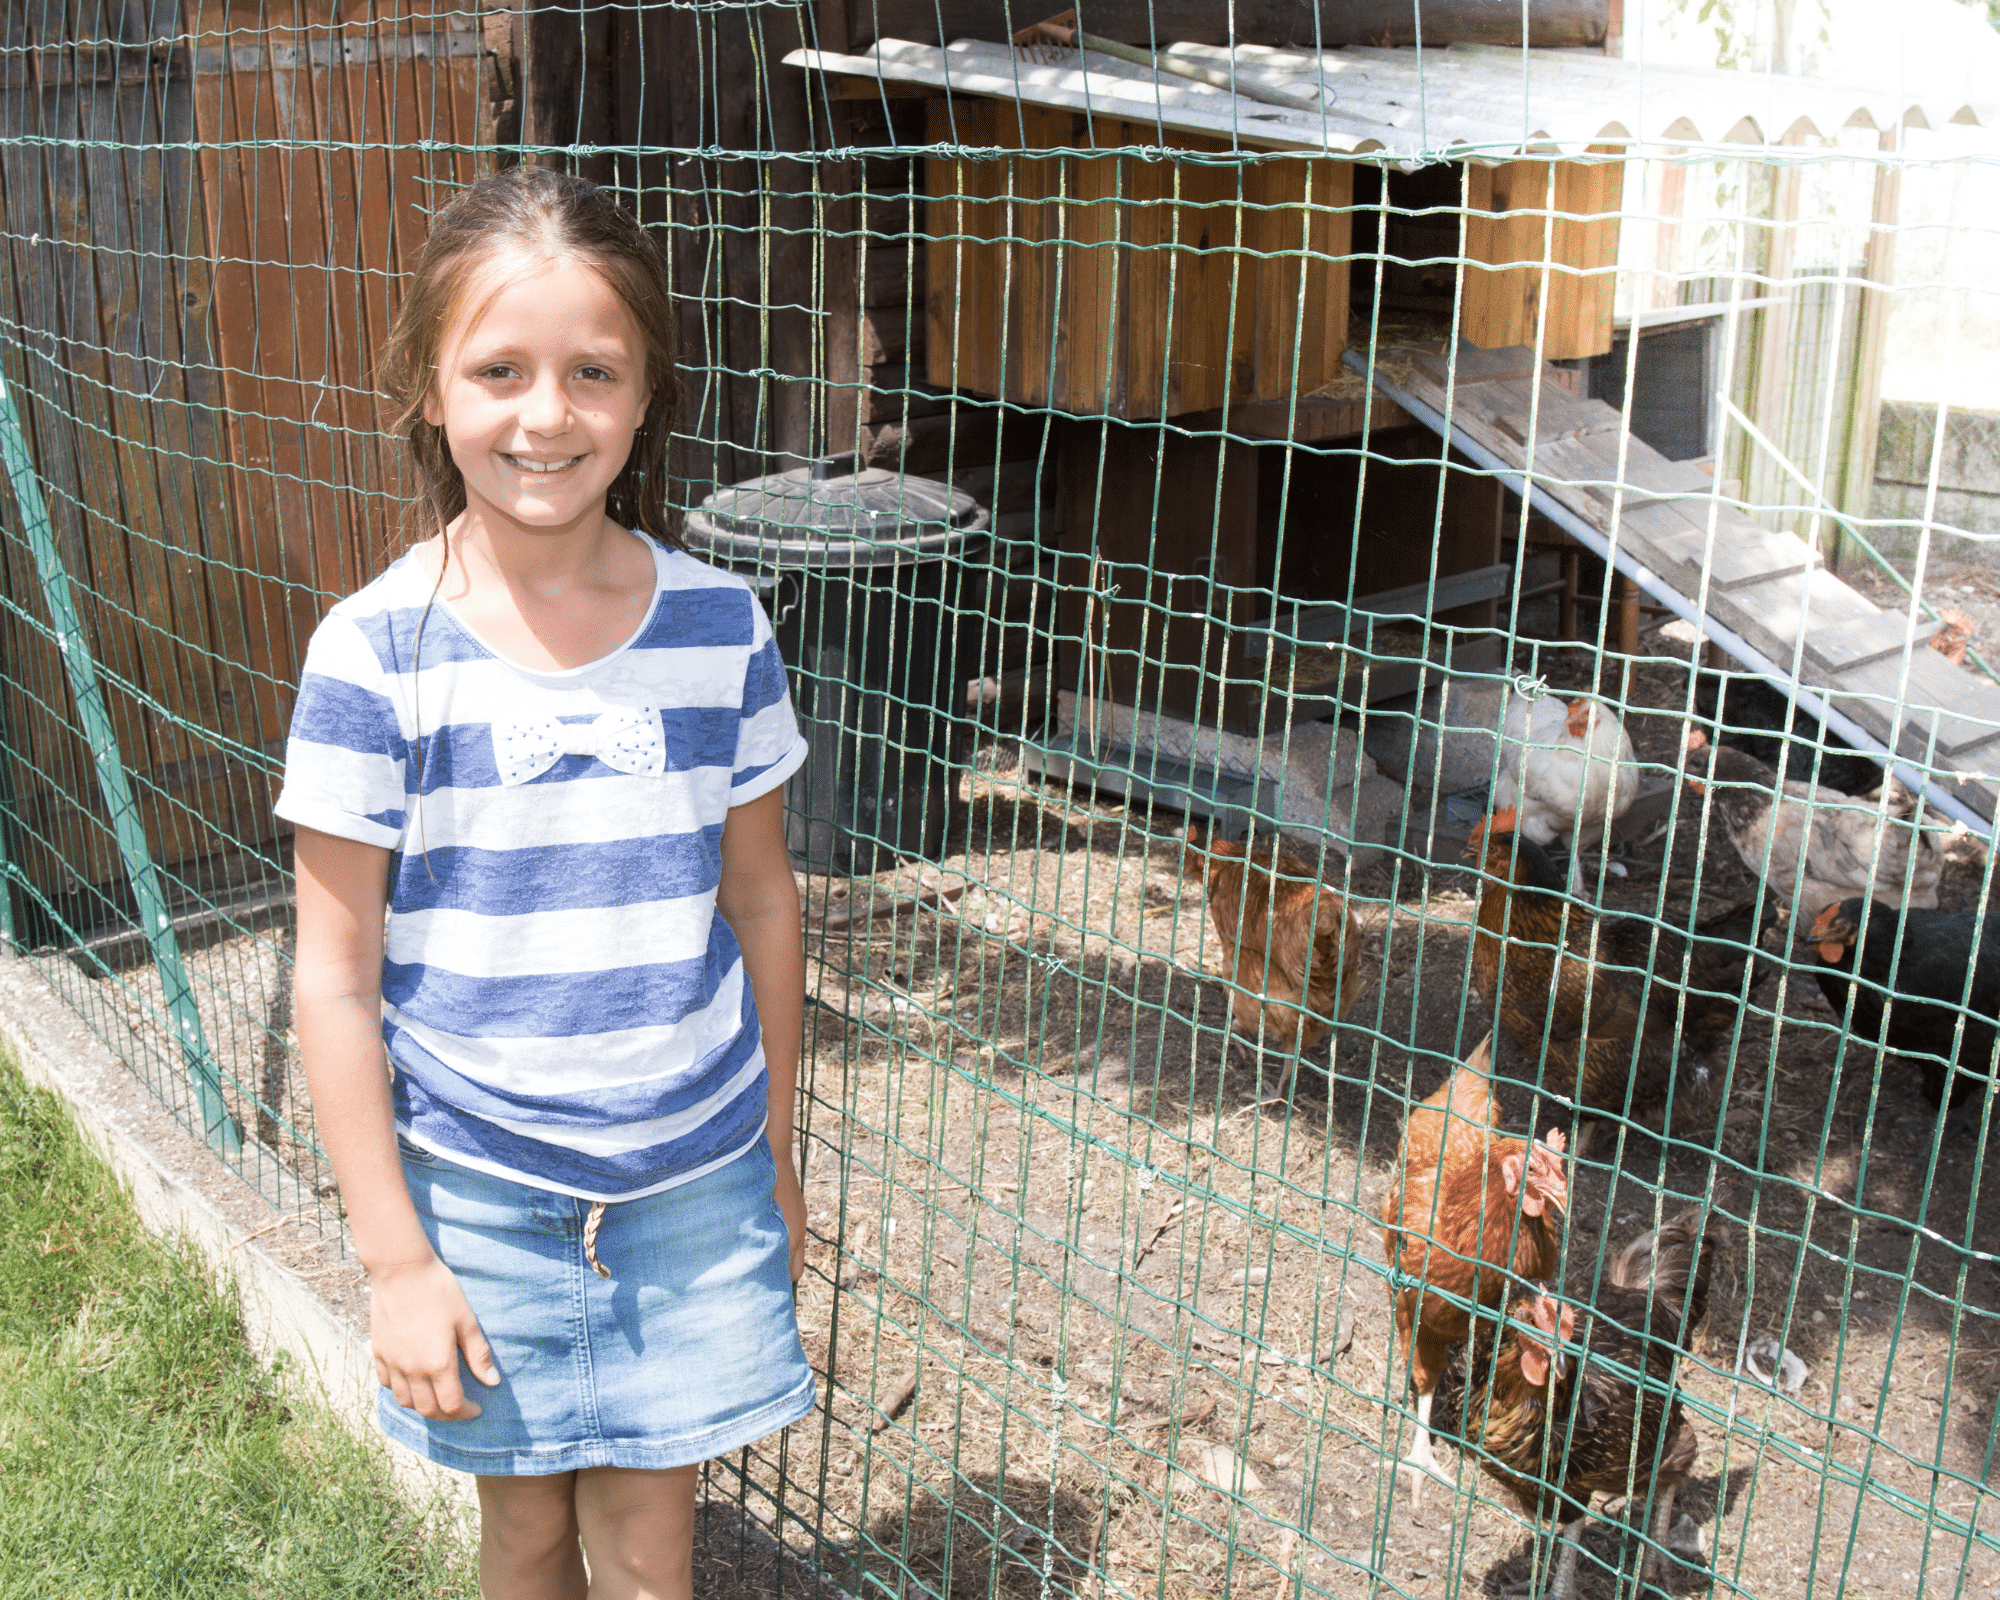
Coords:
552,746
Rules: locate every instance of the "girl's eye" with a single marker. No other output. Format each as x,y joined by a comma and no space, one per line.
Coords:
594,374
498,370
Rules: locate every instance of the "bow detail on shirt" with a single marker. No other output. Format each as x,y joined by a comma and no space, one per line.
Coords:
631,741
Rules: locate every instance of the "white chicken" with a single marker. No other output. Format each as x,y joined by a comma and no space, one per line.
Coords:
1564,766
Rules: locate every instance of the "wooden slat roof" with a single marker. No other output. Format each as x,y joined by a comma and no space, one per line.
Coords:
1473,101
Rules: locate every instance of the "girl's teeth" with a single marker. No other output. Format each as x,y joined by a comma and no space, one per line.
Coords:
539,466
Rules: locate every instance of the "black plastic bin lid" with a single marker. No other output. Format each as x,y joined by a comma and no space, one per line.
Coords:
829,515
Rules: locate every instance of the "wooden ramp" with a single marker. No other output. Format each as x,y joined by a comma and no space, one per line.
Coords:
1661,523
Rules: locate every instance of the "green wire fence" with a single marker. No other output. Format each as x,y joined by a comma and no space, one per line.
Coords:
1202,455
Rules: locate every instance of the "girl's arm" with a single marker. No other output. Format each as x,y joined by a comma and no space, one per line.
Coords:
418,1316
759,899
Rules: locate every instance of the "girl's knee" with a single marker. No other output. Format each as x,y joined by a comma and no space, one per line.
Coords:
528,1519
641,1526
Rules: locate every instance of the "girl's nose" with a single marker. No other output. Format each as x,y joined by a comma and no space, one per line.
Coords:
545,408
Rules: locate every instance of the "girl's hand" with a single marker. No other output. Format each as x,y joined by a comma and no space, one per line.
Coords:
418,1322
791,1200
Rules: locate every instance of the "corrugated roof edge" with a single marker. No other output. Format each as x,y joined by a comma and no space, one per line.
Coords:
1466,105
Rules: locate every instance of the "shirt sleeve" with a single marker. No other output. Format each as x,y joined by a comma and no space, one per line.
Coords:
345,753
769,747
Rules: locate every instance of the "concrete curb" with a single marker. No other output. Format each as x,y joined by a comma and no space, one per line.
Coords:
280,1310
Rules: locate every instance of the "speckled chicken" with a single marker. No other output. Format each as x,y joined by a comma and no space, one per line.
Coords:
1564,766
1294,948
1557,1426
1473,1210
1822,845
1609,1012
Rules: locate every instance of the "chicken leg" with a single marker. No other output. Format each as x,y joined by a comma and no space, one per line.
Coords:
1420,1461
1656,1556
1569,1541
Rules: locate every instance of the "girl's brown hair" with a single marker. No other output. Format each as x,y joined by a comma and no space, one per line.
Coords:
537,214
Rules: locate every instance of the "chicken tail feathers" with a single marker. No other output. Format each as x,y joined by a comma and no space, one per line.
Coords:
1673,1263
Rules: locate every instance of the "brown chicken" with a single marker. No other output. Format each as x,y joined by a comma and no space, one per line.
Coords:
1813,843
1472,1211
1610,1013
1557,1429
1290,939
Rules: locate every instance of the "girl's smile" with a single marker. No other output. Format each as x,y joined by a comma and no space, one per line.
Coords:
541,385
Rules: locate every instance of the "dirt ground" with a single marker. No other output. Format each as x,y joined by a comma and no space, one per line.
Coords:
1132,1271
1099,1302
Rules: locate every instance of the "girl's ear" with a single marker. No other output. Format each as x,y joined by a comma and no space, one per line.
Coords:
433,412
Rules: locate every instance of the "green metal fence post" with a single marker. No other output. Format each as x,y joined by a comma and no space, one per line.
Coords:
217,1126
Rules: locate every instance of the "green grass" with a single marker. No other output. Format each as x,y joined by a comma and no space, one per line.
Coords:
144,1452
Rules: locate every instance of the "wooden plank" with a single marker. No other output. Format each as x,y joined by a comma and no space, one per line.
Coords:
1878,275
1092,326
1299,305
1772,616
1507,404
100,560
174,654
46,756
1587,240
231,175
1315,418
345,173
1032,216
199,434
1475,365
1738,562
1329,240
1845,646
1150,269
187,489
963,328
1527,221
1203,341
1869,695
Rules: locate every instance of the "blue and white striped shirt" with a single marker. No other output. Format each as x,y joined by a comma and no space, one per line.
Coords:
562,1003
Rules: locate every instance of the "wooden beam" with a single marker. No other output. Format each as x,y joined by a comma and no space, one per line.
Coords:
568,96
1525,256
1878,271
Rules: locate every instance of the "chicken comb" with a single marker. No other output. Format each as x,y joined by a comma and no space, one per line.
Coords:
1695,740
1579,716
1831,934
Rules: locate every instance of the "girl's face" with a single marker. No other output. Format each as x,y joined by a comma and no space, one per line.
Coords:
540,388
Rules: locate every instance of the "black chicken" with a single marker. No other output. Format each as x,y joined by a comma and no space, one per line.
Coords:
1557,1431
1757,718
1936,953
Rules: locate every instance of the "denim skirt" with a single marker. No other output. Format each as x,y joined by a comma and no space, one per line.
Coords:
689,1350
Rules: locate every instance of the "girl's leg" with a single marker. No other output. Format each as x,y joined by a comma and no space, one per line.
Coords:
527,1539
638,1530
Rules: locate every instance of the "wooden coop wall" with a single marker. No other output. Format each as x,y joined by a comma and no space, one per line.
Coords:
1542,231
198,302
1125,287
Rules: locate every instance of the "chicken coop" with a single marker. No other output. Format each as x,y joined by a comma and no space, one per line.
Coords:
1445,1041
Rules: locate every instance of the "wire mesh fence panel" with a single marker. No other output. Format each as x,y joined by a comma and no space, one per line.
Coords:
1397,836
